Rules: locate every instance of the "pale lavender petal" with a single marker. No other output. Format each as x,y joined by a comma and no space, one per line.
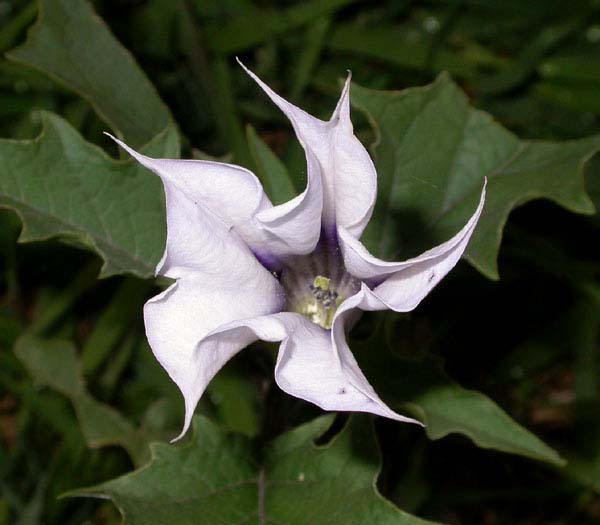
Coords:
404,285
349,177
180,317
307,364
235,196
345,317
295,225
360,263
199,242
355,185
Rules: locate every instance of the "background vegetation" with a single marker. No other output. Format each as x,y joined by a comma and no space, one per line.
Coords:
81,394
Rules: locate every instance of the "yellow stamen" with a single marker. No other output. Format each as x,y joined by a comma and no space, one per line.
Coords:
321,282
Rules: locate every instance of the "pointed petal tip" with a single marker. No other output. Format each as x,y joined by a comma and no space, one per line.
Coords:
481,204
183,432
115,139
190,406
342,108
404,419
346,89
129,150
180,436
176,439
246,69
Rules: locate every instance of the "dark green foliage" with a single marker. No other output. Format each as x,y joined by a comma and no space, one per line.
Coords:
511,364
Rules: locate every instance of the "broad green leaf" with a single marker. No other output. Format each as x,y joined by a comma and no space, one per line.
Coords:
73,45
213,479
53,363
449,408
271,171
421,386
62,186
433,152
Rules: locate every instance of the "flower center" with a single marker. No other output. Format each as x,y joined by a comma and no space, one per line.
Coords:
316,284
320,307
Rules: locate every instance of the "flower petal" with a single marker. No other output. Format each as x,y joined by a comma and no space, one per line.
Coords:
180,317
235,196
345,316
294,227
349,177
406,283
355,174
307,366
199,242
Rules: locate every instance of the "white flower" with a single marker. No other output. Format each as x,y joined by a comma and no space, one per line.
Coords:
295,273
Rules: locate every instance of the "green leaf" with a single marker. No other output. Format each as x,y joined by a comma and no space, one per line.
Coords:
421,386
236,400
60,185
392,46
432,153
576,97
113,323
584,469
271,171
247,31
74,46
530,56
308,58
214,480
449,408
572,67
53,363
12,30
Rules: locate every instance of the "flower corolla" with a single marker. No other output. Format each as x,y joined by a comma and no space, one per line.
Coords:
296,273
